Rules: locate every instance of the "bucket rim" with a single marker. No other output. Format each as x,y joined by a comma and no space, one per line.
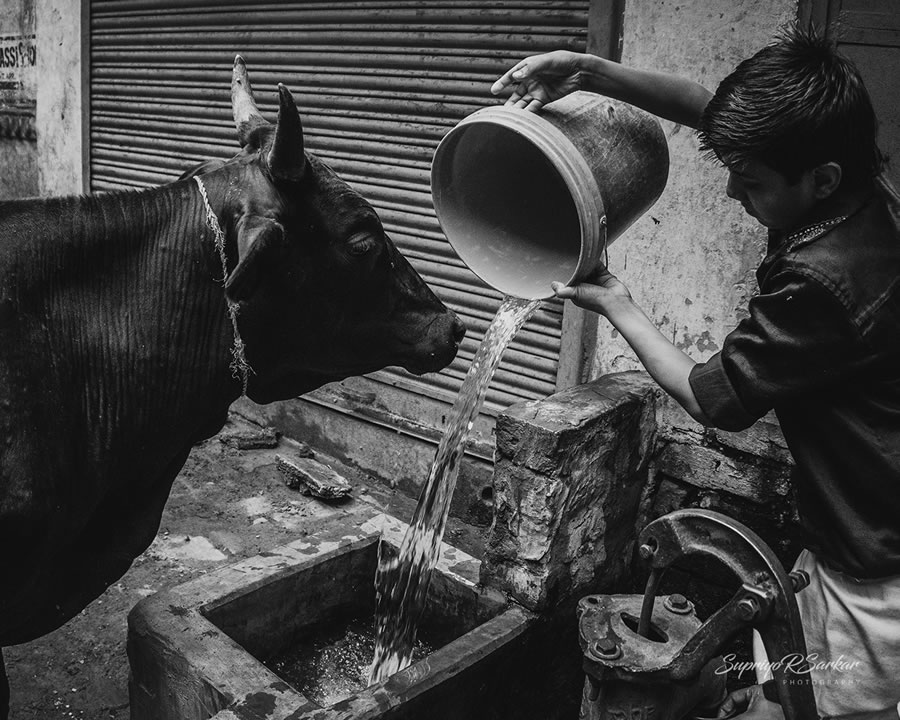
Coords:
568,162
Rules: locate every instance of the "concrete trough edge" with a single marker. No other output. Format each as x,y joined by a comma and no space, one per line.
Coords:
221,679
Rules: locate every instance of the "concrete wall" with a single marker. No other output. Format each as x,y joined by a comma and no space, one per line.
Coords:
42,98
61,96
690,261
18,158
18,87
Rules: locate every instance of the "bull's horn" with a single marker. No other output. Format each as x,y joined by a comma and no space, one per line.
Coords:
246,115
286,159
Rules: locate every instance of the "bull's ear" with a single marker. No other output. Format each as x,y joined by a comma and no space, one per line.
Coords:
246,115
286,159
259,242
201,168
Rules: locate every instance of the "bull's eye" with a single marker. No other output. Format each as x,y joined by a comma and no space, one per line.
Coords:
361,243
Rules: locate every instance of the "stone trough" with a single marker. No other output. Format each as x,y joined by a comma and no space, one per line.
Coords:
569,485
197,651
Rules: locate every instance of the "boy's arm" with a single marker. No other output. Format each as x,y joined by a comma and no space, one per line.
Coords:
663,94
543,78
667,365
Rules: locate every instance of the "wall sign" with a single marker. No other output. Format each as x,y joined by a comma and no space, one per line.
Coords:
18,69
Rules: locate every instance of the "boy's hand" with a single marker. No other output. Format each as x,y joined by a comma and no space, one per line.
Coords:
598,291
750,704
603,293
540,79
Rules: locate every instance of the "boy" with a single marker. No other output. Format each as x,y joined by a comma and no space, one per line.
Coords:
795,128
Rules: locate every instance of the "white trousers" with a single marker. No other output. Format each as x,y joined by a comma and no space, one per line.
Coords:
852,630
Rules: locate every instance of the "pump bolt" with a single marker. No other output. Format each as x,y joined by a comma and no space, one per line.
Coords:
677,603
606,648
747,608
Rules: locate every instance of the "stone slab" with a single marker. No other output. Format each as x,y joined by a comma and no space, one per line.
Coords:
312,477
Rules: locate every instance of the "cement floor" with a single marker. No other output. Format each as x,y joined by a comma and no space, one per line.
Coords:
225,505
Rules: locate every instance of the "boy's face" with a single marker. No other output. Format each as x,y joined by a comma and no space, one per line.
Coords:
767,195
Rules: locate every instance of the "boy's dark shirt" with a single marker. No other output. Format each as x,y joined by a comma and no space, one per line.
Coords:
821,347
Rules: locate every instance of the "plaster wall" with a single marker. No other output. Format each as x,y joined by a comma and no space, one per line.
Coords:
690,261
61,97
42,98
18,158
18,81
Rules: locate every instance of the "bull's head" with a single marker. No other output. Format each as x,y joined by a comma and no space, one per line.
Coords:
323,293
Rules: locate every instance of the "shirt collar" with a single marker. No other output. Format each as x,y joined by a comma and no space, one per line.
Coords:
783,241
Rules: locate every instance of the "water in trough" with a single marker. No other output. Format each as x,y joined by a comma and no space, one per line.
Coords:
333,662
401,581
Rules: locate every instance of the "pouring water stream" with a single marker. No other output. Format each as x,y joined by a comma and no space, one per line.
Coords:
402,582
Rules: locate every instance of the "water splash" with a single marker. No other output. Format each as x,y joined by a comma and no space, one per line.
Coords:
332,662
401,582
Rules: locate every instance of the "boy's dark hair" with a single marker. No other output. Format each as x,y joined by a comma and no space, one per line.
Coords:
794,105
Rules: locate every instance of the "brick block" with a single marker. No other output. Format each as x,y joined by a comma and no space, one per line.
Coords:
312,477
569,479
711,469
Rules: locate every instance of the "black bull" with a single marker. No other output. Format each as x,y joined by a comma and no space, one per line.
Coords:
116,344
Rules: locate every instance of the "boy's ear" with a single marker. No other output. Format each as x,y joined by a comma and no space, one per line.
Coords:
826,179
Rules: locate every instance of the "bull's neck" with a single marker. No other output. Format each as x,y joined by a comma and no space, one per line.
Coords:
135,299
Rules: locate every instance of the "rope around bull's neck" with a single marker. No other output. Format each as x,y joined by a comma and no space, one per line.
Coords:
240,368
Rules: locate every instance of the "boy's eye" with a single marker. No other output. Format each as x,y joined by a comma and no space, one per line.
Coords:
361,243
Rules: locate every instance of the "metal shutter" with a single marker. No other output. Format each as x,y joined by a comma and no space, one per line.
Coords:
378,85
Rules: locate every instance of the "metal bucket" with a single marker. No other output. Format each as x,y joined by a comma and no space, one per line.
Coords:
527,198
